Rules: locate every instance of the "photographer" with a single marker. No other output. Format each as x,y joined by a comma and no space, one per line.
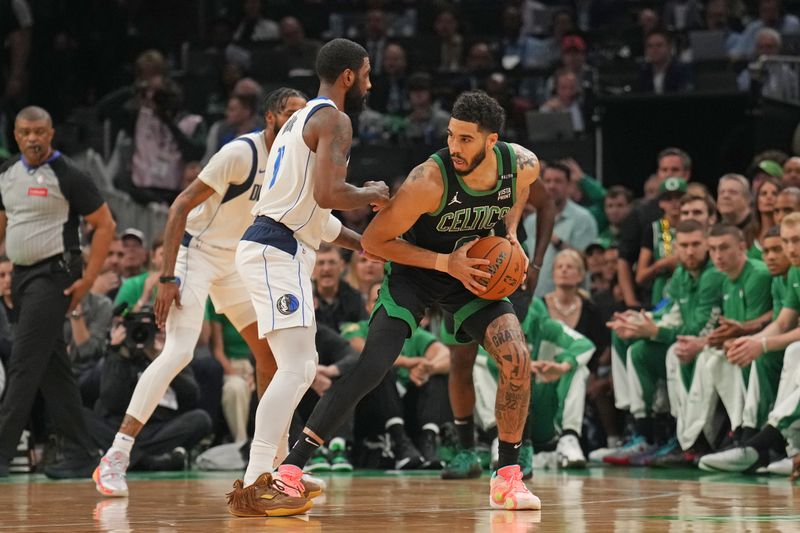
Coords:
157,138
176,425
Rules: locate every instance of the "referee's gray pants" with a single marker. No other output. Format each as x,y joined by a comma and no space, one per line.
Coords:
39,355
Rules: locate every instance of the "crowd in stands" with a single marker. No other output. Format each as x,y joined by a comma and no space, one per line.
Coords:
642,302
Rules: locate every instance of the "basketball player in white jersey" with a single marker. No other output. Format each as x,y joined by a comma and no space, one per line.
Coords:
203,228
305,179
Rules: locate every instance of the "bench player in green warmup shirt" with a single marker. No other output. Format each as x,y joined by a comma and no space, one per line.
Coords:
782,431
695,304
559,359
745,391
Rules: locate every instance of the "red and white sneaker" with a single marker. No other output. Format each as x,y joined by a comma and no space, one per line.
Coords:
507,491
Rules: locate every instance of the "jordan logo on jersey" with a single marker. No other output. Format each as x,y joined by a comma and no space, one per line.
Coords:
455,199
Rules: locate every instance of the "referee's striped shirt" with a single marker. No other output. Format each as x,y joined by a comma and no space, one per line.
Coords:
43,205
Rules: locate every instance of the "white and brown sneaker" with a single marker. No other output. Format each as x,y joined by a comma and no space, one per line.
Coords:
266,497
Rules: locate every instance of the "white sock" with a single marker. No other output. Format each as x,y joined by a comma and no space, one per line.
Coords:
123,443
261,453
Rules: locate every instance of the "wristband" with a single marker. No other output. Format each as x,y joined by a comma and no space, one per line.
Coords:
441,262
763,345
169,279
537,267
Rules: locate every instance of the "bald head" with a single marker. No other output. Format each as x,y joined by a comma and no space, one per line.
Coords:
34,114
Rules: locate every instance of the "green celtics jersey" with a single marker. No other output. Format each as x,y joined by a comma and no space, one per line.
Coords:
749,295
464,213
779,293
696,304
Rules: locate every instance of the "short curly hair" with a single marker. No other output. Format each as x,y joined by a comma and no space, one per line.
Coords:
337,56
276,100
481,109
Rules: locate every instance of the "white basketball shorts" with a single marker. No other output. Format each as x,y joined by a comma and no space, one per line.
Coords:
276,268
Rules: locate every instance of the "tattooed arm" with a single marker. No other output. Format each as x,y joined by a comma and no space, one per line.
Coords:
421,193
329,134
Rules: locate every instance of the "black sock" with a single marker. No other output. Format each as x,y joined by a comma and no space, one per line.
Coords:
465,428
644,427
302,451
769,438
508,454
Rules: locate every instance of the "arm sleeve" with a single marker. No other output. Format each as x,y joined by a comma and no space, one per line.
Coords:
229,166
332,229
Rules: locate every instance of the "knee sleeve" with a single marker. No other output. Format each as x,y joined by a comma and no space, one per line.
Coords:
296,352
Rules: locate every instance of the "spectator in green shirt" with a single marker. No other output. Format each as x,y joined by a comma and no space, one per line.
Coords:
140,290
232,352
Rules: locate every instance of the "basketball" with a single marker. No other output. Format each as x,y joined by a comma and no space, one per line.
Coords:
506,265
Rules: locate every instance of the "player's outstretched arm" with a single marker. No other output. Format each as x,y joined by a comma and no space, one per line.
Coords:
333,133
420,194
195,194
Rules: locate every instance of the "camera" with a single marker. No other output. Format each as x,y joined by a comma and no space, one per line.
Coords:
140,328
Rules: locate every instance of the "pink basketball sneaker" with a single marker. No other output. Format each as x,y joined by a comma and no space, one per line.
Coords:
507,491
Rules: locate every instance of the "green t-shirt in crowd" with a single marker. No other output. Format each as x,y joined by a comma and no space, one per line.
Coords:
749,295
131,290
234,345
414,346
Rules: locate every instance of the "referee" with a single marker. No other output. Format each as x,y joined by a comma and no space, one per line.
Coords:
42,197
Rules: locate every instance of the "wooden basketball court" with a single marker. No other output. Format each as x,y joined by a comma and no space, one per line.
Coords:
599,499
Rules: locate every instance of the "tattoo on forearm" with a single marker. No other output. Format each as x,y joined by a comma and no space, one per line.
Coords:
526,158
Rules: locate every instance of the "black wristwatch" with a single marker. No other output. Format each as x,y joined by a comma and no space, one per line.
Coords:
168,279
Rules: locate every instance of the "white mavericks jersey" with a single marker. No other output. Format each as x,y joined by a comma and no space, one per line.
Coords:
236,174
288,190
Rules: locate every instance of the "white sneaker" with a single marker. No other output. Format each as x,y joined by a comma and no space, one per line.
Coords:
569,452
783,467
738,459
109,476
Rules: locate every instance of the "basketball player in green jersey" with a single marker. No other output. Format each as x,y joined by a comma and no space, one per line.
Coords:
455,197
